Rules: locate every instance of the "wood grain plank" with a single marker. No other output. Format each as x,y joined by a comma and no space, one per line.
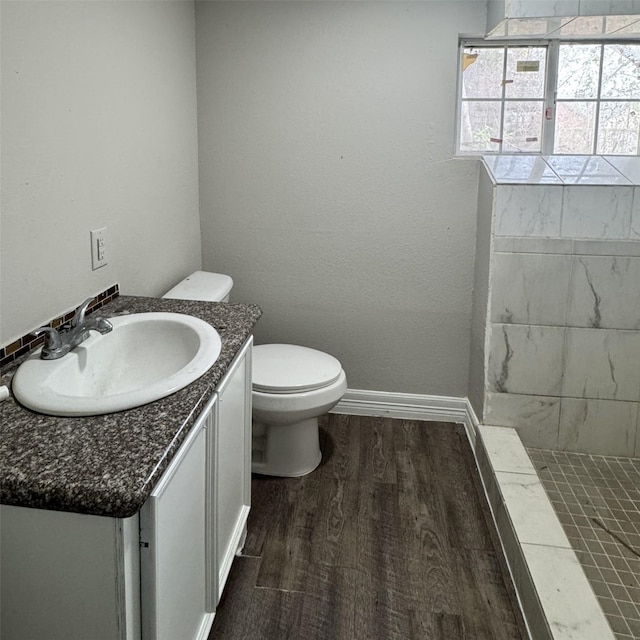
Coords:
391,580
380,612
231,614
328,610
334,535
485,607
376,450
286,550
452,461
437,626
273,614
269,496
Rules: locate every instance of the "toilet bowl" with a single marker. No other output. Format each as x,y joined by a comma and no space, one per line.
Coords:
292,387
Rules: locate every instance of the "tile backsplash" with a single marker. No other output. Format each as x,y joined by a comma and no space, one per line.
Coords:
11,352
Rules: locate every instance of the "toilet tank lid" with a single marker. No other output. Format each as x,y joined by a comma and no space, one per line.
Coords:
288,368
202,285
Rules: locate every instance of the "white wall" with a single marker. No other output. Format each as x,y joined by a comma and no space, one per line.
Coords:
327,185
98,129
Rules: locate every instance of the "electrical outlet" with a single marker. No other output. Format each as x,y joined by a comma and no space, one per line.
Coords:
98,248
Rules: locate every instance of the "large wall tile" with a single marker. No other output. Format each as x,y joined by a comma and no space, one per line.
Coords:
509,244
635,215
536,418
604,292
528,210
637,449
596,212
625,248
602,364
530,288
606,427
526,359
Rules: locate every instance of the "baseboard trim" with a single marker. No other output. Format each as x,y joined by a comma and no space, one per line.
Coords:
409,406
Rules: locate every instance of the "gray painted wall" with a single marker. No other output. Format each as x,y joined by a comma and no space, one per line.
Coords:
99,129
328,189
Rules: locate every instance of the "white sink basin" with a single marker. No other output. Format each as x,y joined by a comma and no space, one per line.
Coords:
147,356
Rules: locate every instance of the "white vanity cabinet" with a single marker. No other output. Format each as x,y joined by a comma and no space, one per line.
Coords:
157,575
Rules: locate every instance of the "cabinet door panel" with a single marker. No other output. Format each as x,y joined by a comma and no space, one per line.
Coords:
67,575
232,475
172,524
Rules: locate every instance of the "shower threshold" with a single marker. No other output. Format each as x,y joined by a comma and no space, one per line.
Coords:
556,598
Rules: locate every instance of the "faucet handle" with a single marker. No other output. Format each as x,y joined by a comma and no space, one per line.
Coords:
53,347
51,338
78,317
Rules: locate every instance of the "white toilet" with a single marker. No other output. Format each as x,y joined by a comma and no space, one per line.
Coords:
292,387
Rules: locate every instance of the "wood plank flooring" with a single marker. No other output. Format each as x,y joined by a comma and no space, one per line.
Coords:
386,540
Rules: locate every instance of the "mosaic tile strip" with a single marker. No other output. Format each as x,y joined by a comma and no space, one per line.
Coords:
597,499
27,342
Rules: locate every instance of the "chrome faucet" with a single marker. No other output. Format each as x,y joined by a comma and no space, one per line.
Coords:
59,343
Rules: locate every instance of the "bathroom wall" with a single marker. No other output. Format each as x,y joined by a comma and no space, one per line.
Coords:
563,321
327,185
99,129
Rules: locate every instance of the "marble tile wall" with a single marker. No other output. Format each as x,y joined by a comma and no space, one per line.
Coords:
563,340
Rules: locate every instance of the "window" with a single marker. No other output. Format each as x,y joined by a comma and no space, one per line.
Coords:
556,97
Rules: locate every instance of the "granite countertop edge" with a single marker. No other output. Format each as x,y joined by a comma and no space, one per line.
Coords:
108,465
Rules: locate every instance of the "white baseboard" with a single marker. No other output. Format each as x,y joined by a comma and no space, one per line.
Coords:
409,406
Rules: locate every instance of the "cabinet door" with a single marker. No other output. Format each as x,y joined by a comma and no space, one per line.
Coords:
173,547
232,463
67,576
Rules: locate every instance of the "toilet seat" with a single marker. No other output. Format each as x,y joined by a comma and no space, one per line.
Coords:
288,368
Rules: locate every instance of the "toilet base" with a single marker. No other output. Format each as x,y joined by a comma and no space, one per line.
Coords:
289,450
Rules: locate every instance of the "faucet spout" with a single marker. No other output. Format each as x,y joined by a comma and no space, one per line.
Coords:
78,316
99,324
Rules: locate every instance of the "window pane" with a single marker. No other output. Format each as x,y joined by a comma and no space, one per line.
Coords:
480,121
619,128
522,126
578,70
482,72
575,127
621,71
525,72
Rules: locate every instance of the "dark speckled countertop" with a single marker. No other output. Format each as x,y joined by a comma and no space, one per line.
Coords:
108,465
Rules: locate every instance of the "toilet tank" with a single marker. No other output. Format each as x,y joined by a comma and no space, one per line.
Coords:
203,285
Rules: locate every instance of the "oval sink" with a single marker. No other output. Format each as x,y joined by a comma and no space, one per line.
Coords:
147,356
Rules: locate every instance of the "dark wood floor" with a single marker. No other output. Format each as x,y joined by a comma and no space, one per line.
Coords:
386,540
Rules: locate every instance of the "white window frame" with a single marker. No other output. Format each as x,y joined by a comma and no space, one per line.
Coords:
549,99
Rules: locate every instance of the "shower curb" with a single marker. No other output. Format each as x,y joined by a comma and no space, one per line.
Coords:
555,595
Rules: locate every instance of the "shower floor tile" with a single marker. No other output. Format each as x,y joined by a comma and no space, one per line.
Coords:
597,499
